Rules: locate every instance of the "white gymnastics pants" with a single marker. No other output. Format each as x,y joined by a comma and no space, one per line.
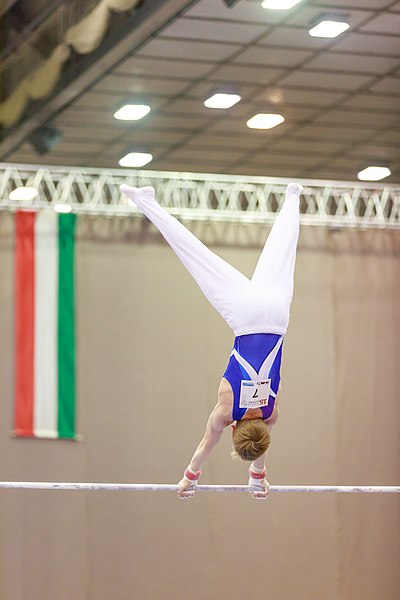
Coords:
257,305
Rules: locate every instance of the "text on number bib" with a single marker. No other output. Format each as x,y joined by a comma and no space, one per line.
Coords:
254,394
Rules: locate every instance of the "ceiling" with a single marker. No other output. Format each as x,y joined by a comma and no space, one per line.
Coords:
340,97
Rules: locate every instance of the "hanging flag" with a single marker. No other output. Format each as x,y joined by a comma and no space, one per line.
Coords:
44,325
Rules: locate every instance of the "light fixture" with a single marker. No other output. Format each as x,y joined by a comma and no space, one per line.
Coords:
329,27
374,173
45,138
222,100
265,121
132,112
279,4
23,193
62,208
135,159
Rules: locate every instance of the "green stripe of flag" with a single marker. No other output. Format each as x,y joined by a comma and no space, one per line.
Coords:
66,326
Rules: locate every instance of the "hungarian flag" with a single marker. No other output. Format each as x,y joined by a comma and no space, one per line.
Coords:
44,325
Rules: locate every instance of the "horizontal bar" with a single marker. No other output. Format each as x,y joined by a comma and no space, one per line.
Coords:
165,487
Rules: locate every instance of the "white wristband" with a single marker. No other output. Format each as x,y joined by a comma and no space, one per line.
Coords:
256,469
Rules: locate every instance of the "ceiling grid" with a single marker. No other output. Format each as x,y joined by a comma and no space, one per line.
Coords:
340,97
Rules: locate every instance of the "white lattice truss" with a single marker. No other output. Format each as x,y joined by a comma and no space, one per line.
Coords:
204,197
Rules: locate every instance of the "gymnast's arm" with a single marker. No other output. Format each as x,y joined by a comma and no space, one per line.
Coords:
274,417
259,463
218,420
258,466
215,426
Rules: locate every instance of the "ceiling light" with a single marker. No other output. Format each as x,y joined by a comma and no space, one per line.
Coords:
135,159
280,4
132,112
265,121
374,173
23,193
329,28
222,100
45,138
62,208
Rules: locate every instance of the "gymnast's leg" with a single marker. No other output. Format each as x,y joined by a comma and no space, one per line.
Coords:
275,267
215,277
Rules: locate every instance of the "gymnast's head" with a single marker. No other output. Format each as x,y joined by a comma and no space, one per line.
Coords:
250,439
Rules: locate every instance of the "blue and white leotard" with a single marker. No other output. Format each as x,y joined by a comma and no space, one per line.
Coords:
256,309
255,356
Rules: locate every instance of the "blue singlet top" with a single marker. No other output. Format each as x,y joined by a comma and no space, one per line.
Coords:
255,356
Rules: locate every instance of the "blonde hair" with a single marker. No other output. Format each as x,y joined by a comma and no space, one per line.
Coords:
250,439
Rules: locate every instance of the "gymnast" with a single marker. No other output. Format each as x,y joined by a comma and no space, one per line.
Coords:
257,310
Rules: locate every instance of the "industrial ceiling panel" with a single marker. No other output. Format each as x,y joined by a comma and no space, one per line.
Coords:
387,45
134,84
344,4
163,67
300,96
310,15
211,139
332,81
335,61
243,73
295,38
352,118
307,146
272,57
388,85
176,49
374,102
340,97
206,29
244,11
386,23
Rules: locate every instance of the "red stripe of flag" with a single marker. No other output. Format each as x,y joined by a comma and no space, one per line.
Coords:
24,322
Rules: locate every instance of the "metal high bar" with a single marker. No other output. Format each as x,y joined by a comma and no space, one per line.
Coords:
166,487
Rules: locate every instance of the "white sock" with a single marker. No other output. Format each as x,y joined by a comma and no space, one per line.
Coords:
294,190
138,195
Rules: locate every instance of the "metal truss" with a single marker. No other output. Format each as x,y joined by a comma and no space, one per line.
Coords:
203,197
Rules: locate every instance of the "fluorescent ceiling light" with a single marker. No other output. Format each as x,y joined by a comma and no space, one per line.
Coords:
265,121
135,159
374,173
23,193
132,112
221,100
328,29
62,208
280,4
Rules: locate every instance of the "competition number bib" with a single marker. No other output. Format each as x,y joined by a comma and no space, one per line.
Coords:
254,394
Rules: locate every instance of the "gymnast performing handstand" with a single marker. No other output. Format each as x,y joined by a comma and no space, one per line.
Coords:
257,310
